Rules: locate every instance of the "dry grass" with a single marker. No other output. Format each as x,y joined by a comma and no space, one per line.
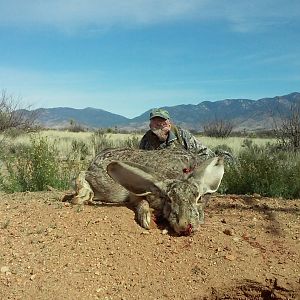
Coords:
235,143
64,139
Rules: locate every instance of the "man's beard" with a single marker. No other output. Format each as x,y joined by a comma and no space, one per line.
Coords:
161,133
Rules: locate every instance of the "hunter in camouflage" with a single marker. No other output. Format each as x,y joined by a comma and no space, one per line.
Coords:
164,134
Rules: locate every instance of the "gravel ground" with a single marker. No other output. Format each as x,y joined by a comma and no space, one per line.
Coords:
248,248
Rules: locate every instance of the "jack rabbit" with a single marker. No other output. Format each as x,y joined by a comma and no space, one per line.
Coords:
169,181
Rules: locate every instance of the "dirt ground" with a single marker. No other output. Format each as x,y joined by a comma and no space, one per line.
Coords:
248,249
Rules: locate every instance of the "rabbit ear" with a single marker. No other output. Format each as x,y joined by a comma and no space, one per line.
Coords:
209,174
133,177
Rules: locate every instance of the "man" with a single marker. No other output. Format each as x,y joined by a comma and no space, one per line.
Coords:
164,134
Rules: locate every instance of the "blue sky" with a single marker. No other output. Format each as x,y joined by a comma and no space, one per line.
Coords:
129,56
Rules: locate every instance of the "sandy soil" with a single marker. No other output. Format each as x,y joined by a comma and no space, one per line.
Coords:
248,249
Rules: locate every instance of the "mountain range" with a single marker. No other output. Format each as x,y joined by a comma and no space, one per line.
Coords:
244,114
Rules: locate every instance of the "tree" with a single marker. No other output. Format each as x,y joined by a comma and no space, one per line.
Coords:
287,129
218,128
12,116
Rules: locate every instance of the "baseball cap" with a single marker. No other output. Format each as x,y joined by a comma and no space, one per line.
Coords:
159,112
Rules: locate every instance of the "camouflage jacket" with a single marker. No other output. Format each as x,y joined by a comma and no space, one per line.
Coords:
178,137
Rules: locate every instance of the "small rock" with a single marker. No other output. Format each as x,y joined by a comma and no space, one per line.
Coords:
228,232
164,231
4,269
32,277
50,188
236,239
230,257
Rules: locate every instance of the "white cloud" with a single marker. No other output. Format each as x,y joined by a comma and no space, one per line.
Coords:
96,15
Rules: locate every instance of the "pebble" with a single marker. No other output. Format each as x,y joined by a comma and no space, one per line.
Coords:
228,232
4,269
255,195
230,257
32,277
236,239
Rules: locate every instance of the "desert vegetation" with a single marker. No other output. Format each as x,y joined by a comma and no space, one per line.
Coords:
52,159
37,160
218,128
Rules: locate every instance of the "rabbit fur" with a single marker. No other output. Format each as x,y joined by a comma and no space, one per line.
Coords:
169,181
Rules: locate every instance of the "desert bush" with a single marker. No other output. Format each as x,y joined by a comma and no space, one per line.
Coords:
80,149
77,128
264,170
35,167
100,141
222,147
12,116
131,142
218,128
287,130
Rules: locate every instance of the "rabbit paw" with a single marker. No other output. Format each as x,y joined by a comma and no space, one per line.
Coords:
144,214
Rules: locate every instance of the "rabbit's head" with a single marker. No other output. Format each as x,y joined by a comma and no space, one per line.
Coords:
181,208
179,196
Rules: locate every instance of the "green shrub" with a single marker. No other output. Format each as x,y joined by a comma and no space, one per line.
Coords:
80,149
222,147
264,170
34,167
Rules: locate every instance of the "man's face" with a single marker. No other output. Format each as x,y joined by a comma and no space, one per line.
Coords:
160,127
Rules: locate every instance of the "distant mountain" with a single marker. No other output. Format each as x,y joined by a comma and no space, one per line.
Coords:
244,113
90,117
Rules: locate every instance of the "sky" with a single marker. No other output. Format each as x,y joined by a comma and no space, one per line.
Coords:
129,56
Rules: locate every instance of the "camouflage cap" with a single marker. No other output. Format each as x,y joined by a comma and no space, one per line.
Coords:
159,112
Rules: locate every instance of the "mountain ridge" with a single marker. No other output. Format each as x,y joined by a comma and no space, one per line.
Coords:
243,113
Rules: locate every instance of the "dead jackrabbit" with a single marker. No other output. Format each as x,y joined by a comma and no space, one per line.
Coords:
169,181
